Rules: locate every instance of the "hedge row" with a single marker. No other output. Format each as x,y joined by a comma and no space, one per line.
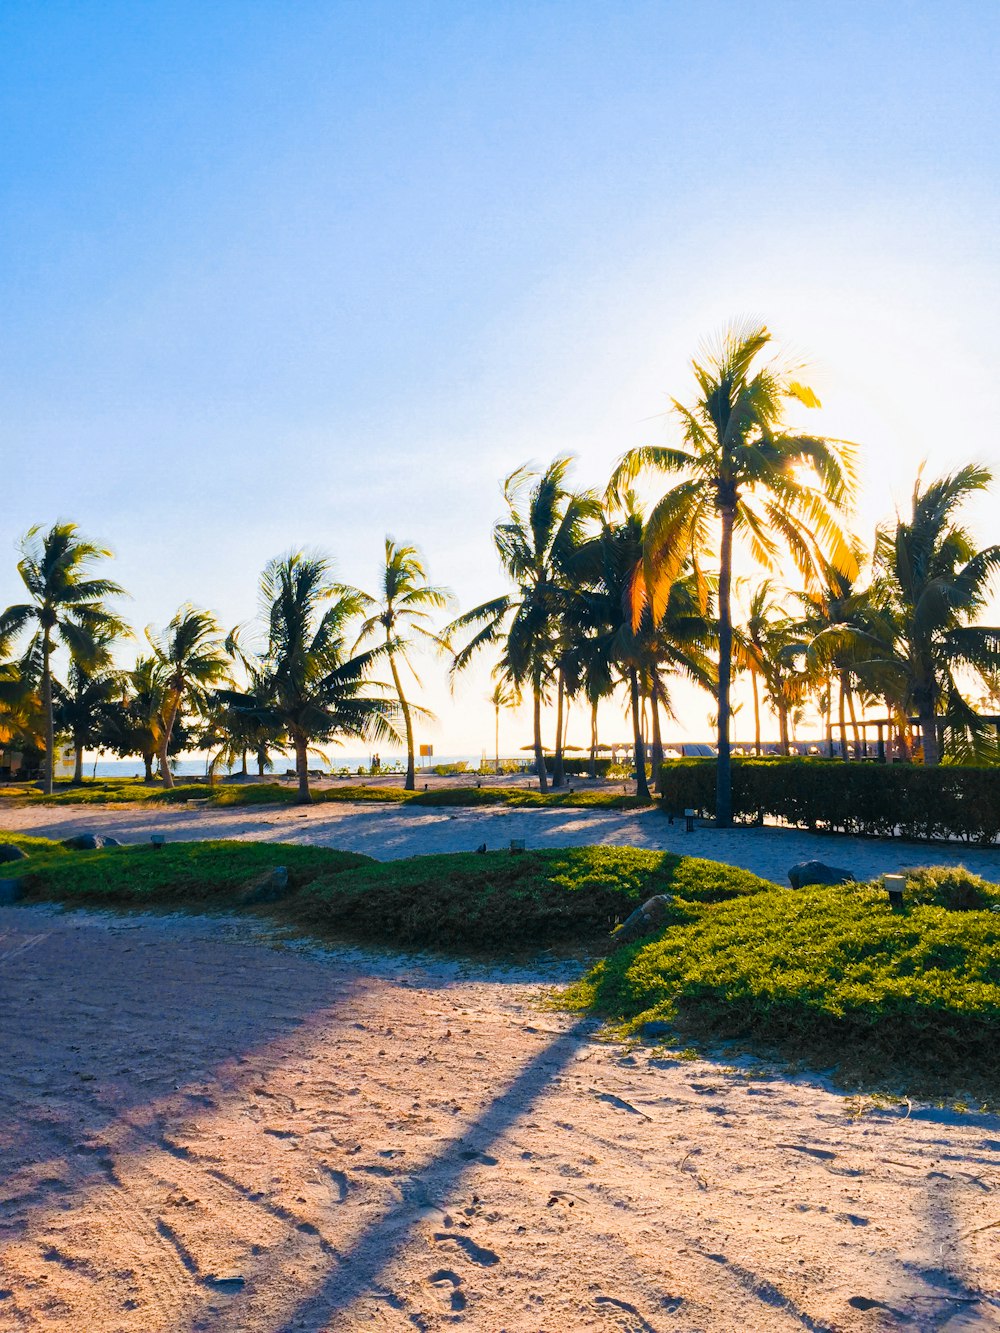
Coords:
883,800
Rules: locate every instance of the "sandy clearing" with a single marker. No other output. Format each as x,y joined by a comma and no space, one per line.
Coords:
204,1129
387,832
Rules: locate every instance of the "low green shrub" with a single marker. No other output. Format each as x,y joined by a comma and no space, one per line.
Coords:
831,972
197,874
880,800
498,901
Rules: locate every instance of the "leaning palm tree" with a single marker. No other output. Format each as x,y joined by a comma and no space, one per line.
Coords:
67,605
936,584
743,475
399,612
310,687
536,544
192,659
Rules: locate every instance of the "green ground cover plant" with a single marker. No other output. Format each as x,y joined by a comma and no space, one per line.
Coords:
191,874
831,974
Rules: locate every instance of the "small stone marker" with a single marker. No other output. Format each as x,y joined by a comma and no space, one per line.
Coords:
516,845
157,839
689,820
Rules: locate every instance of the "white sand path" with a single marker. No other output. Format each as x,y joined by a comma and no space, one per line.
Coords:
387,832
206,1131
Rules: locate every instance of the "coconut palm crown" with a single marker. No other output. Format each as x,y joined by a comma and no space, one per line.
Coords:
401,614
743,475
67,605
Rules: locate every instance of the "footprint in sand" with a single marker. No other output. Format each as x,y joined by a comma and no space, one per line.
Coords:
446,1284
477,1253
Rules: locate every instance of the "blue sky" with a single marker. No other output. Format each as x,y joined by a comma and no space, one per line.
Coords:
275,275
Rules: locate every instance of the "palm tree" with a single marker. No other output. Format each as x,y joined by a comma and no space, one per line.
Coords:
402,608
192,659
86,703
536,545
504,695
744,474
936,583
67,605
310,688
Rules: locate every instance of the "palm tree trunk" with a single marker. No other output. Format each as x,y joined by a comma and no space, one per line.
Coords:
174,709
243,770
641,785
558,774
929,736
843,718
723,771
302,768
50,722
261,761
854,719
496,742
147,763
756,712
411,778
77,765
536,696
593,740
829,719
657,752
783,727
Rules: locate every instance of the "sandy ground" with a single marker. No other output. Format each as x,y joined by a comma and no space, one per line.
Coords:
387,832
207,1128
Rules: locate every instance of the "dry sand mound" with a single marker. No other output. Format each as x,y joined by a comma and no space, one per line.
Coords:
204,1131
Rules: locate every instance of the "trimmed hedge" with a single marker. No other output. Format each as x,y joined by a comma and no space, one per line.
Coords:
881,800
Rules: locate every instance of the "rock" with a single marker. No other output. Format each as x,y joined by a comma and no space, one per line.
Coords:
804,874
655,1029
8,852
90,842
267,888
11,890
642,921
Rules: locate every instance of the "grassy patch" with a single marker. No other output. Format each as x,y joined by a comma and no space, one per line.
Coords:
194,874
501,903
831,974
121,791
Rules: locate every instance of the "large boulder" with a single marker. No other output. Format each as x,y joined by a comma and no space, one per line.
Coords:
90,842
8,852
804,874
643,920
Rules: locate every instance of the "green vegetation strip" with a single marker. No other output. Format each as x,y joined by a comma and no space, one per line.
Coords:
831,974
119,792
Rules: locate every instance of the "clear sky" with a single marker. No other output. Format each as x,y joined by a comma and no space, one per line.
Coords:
279,275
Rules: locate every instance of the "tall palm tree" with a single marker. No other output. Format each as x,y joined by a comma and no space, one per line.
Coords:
936,584
536,545
192,658
400,611
744,474
67,605
310,687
